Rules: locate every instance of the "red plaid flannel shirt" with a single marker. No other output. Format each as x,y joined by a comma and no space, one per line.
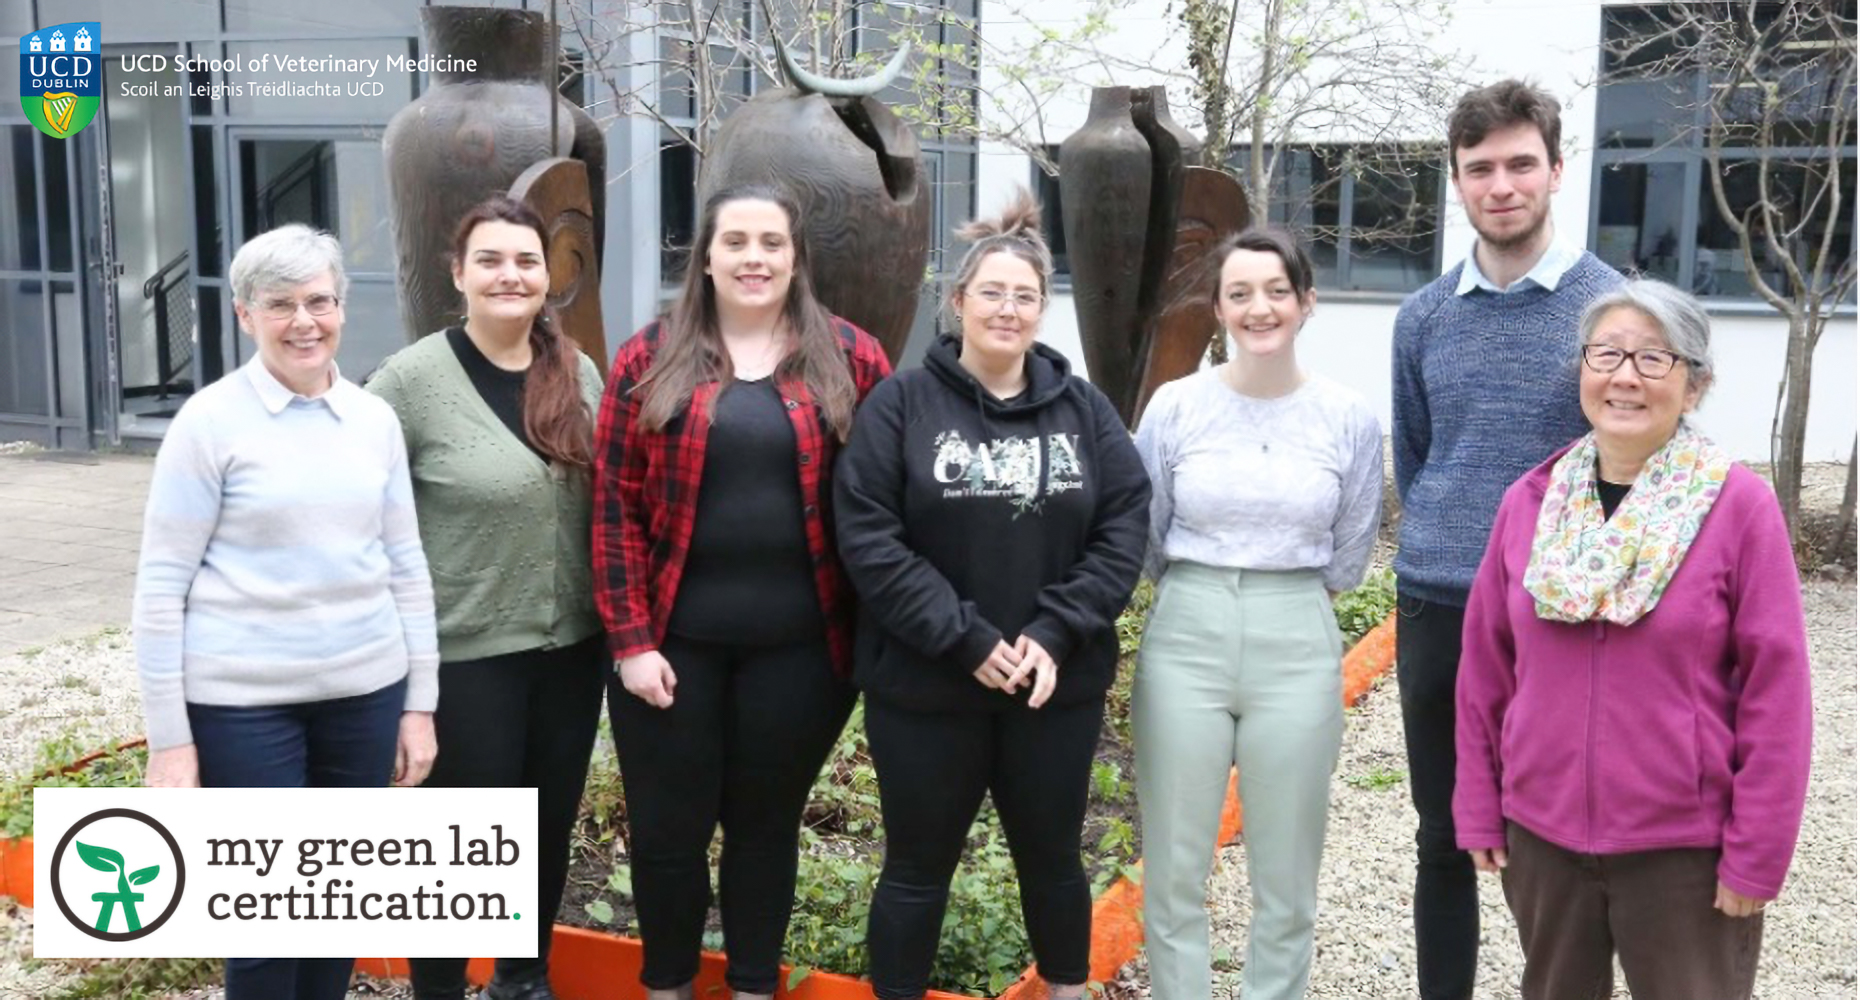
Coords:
645,496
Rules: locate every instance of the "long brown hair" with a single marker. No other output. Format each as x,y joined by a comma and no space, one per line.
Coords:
691,350
555,413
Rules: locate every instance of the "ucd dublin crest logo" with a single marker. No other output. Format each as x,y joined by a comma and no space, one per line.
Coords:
61,76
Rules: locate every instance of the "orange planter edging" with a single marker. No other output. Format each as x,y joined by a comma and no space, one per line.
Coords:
16,855
16,869
1368,660
592,965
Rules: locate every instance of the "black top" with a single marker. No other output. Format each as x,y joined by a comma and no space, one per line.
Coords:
748,578
966,520
502,389
1611,495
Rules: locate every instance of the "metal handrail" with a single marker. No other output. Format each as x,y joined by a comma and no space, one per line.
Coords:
153,285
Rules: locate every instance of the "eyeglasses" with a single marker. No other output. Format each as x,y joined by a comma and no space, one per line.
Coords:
996,296
1650,362
315,305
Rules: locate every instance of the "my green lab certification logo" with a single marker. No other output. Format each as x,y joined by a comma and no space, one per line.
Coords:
112,870
61,76
286,872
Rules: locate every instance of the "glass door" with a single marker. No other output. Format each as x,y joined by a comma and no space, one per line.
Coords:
332,179
145,224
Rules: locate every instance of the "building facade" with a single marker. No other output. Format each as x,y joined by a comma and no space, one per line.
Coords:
114,243
1635,190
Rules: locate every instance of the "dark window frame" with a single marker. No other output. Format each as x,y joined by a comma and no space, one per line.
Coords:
1696,209
1342,275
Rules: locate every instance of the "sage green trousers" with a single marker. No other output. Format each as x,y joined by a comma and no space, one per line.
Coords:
1238,668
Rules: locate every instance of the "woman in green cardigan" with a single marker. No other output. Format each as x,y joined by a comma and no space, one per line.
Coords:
498,415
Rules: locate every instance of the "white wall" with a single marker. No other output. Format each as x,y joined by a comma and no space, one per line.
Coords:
1554,42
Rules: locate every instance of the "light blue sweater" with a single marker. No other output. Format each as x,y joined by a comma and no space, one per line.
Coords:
1484,389
281,560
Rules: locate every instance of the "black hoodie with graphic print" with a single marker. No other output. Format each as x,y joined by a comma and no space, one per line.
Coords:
964,520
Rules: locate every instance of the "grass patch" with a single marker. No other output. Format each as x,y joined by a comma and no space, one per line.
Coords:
1378,780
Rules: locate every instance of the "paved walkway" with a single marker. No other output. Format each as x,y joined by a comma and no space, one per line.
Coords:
70,529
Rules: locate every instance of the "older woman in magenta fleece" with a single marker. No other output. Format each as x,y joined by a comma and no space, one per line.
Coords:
1633,703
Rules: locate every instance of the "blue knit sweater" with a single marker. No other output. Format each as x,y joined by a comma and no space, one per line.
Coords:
1485,388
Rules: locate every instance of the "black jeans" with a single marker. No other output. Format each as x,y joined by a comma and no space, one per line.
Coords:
1446,895
519,720
338,743
741,745
932,771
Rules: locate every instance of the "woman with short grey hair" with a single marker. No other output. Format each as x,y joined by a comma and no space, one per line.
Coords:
283,617
1633,714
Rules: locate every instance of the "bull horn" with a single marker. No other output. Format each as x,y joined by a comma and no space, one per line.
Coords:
826,86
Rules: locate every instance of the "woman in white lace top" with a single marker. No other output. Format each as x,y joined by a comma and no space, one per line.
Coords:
1267,495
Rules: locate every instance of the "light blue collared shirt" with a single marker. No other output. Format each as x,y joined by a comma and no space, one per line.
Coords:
1558,258
275,395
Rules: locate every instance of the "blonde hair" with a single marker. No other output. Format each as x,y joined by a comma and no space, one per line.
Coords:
1016,230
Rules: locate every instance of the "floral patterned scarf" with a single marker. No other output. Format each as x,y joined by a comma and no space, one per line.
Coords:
1587,567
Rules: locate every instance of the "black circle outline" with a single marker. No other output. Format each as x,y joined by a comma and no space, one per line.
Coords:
180,875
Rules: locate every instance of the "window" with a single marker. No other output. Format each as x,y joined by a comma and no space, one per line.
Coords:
1656,213
1052,216
1719,267
677,207
1370,214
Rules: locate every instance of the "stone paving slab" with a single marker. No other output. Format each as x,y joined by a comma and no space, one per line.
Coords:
70,530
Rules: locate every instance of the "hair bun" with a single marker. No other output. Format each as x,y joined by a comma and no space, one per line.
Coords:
1019,219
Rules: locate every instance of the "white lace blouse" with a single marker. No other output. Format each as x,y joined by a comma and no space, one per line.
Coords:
1270,484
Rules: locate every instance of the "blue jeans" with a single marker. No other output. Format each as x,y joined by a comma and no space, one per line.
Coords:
338,743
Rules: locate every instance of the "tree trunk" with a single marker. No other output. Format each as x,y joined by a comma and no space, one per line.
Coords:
1789,434
1845,529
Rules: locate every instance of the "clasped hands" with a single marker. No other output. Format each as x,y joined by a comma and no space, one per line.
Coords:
1026,662
649,677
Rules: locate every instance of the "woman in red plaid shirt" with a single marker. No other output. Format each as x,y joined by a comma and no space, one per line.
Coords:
727,613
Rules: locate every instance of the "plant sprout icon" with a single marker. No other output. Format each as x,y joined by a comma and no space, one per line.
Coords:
105,860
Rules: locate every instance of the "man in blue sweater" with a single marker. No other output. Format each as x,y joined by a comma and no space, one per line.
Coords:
1485,388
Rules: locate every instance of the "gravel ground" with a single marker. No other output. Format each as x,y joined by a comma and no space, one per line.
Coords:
1364,936
85,689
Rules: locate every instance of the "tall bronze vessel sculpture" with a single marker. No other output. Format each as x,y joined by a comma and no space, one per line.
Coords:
474,134
1139,227
1120,185
856,174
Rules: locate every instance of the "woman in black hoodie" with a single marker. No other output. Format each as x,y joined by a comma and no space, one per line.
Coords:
992,515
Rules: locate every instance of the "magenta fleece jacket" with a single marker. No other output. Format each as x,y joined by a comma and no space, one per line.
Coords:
1689,728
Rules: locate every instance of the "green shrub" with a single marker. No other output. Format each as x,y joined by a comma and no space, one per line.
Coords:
52,769
1364,608
138,978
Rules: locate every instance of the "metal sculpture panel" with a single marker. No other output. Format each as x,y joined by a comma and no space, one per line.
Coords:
558,190
471,136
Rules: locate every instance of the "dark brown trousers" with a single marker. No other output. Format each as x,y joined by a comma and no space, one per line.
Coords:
1575,912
